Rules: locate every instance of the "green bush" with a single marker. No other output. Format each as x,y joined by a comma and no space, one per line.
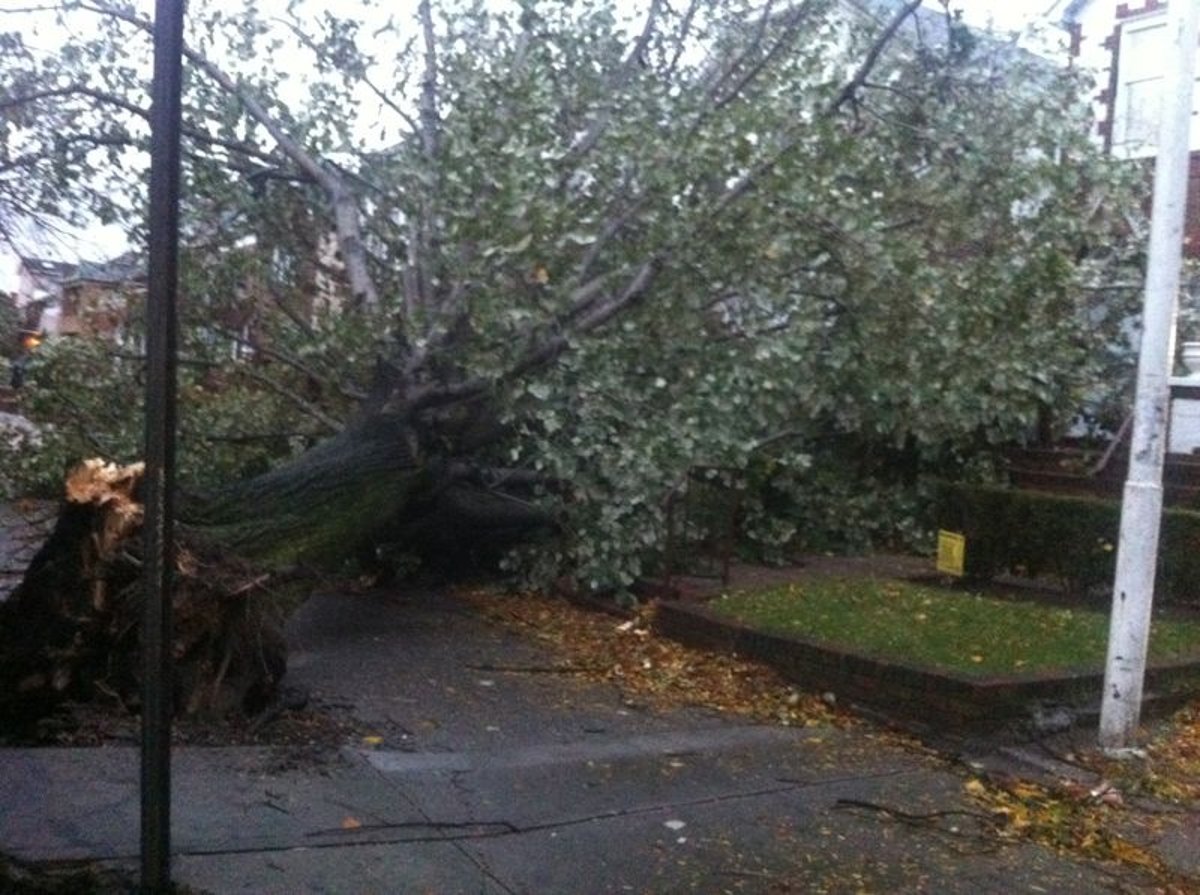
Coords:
834,496
84,395
1073,539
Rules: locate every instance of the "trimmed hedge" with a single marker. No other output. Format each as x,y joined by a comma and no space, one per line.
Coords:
1073,539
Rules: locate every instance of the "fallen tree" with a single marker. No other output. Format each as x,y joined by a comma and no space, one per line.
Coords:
245,556
580,259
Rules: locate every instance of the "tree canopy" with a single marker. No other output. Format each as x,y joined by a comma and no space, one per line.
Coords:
569,256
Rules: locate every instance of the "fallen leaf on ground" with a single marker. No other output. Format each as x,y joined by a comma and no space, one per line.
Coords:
654,670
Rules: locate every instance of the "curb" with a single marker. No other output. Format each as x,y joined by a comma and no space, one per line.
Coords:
911,692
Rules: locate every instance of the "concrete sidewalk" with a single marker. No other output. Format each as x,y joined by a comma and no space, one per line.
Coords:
735,809
489,777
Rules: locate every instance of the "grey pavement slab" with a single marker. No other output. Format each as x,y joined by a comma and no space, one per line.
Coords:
492,777
744,810
82,803
1179,845
430,675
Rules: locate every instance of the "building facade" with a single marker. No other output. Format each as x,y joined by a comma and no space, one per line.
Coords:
1125,45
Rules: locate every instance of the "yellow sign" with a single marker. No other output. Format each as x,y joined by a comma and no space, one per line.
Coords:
951,553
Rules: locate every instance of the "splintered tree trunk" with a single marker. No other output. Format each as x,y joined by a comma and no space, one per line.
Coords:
71,628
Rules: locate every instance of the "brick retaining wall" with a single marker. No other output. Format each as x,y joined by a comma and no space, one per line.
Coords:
907,691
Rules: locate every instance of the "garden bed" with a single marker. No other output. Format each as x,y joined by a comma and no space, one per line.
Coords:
941,657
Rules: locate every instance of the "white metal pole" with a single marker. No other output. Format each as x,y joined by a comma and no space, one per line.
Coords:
1141,508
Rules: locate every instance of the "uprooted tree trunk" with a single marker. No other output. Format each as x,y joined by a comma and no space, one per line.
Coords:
245,556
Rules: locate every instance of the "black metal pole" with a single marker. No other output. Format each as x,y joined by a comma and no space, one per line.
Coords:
159,545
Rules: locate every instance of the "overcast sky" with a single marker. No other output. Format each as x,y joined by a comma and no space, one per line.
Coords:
1002,14
1005,13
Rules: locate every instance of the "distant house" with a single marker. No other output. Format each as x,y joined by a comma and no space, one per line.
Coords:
39,288
83,298
1125,45
96,299
41,275
103,298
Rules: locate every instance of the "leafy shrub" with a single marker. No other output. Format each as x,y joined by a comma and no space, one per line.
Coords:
831,499
1073,539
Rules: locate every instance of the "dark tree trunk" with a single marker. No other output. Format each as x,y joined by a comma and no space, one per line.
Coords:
70,630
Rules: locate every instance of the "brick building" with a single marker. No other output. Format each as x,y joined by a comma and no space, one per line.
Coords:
1124,44
83,298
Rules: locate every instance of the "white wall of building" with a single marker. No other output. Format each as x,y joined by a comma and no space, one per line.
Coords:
1137,31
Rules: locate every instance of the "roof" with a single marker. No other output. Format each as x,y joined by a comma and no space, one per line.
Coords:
46,267
1072,9
929,25
121,269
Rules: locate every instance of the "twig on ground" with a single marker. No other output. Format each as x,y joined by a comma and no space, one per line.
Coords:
924,818
535,669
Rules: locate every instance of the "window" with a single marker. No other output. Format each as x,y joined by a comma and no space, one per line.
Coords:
1141,69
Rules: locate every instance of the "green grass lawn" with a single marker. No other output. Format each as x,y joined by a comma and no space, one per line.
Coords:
959,631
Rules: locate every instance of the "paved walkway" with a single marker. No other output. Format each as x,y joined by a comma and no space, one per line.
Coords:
489,775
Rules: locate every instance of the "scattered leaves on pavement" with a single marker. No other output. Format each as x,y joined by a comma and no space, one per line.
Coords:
1095,821
1072,818
653,670
313,731
1171,769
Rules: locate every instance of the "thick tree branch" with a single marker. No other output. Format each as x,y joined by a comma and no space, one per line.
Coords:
422,251
718,98
620,77
290,313
792,22
681,36
25,10
540,353
771,440
583,300
764,166
306,407
288,360
120,102
596,316
611,229
430,118
850,90
301,35
726,71
345,210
